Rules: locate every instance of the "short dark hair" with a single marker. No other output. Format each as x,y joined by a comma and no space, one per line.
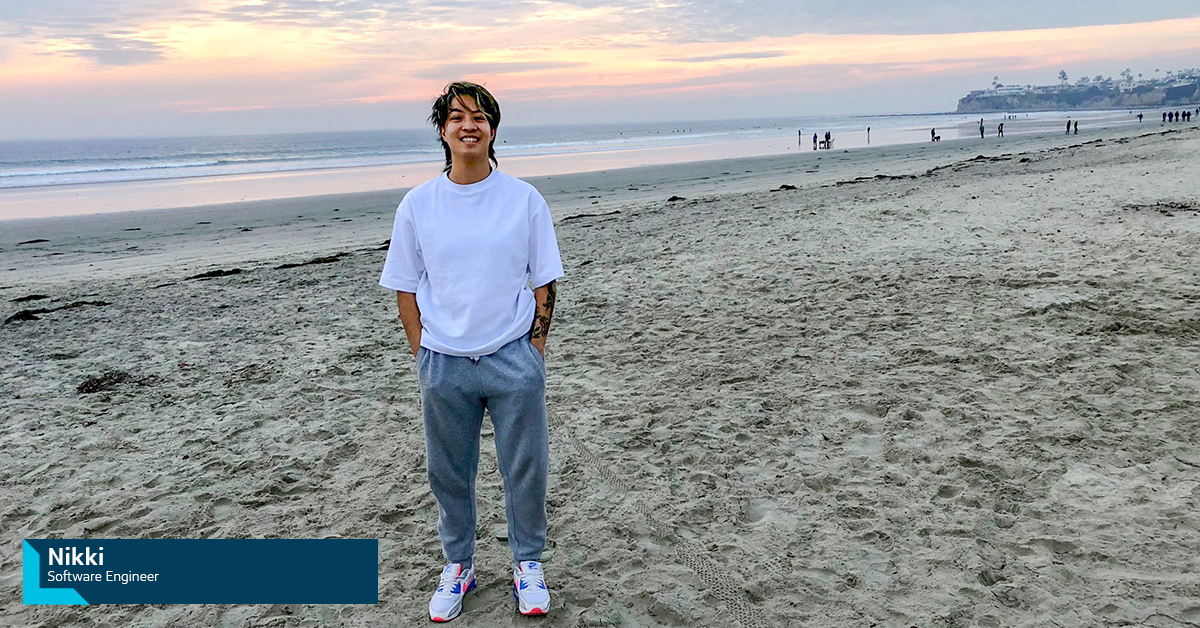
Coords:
483,99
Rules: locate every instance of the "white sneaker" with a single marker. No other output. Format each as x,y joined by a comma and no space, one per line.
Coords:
455,582
529,587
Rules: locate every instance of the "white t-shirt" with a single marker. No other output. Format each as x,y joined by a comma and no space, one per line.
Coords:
469,252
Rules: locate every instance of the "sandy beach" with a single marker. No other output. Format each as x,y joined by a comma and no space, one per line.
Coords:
947,384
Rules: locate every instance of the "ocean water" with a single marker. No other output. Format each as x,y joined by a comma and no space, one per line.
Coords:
25,164
33,164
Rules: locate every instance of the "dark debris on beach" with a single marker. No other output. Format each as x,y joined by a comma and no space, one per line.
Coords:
110,380
316,260
878,177
1166,207
32,315
578,216
213,274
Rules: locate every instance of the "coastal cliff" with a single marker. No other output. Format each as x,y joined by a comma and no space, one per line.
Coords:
1105,95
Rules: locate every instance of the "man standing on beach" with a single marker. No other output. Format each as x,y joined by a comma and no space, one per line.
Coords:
465,250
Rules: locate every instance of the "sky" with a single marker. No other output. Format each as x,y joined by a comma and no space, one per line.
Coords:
115,68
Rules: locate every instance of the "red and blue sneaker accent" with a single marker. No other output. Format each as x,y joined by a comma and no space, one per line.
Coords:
529,587
453,585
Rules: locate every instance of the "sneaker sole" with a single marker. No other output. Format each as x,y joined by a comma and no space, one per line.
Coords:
442,620
533,612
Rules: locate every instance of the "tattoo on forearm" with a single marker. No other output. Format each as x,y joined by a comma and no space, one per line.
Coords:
543,314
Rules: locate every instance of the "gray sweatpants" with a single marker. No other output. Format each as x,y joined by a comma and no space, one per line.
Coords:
511,384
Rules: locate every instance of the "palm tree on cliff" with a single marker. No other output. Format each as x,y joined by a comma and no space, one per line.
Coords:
1062,76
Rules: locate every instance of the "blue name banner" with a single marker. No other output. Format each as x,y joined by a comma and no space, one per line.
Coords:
200,571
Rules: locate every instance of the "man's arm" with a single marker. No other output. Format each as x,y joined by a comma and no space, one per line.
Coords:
543,297
410,317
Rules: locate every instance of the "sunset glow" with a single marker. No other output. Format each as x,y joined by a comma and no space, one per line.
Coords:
265,55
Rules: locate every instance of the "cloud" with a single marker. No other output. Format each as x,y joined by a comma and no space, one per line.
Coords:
731,20
112,51
376,23
313,13
453,70
361,14
64,17
766,54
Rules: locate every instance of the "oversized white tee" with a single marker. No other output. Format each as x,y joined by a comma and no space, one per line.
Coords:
470,253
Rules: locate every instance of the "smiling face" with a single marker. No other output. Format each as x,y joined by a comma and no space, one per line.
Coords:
467,131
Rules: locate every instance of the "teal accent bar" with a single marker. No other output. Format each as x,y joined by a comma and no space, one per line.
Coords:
31,582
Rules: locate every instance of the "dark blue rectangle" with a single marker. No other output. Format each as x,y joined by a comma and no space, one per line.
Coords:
212,571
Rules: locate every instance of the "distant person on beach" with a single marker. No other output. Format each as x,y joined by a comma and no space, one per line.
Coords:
1077,127
1139,118
828,140
868,135
814,141
1068,126
980,129
1000,130
466,248
1164,116
933,136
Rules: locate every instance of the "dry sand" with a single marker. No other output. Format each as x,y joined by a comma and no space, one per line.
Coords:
957,392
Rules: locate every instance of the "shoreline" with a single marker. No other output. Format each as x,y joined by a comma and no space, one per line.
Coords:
49,201
200,237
